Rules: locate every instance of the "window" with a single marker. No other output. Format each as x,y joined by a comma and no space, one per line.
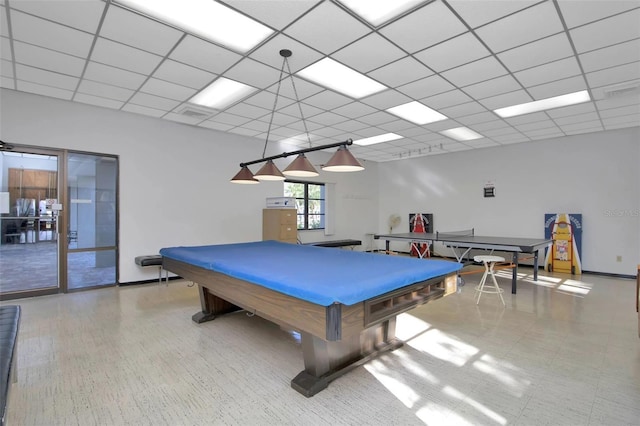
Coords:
310,202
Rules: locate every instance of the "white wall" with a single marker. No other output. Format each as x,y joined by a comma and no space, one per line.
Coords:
595,174
174,178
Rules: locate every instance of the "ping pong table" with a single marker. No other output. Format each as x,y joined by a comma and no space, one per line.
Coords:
466,240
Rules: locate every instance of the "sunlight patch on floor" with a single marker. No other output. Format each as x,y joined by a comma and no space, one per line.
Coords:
454,393
498,370
445,347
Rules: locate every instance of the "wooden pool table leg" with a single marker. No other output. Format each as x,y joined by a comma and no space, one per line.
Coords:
325,361
212,306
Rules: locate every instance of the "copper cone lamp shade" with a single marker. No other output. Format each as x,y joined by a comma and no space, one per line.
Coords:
301,167
244,176
269,172
343,161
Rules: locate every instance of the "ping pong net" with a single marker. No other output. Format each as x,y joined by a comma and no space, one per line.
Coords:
449,234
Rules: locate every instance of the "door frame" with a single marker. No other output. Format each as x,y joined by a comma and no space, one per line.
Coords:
62,222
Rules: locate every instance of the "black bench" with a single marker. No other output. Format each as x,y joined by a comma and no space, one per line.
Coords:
9,326
153,260
336,243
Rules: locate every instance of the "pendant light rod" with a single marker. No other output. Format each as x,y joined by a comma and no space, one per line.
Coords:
302,151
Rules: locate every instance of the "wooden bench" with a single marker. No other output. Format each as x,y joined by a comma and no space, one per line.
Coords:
153,260
9,326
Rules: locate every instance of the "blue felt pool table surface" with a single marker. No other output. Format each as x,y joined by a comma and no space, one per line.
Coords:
318,275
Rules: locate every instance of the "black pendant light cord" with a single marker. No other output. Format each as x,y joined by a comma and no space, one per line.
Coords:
285,54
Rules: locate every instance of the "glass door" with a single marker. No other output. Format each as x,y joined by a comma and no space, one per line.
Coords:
29,206
91,231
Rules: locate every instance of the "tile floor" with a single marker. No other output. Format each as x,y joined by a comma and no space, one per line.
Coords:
564,351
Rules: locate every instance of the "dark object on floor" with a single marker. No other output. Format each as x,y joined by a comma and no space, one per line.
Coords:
336,243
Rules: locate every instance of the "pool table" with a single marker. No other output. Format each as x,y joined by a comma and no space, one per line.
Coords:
343,303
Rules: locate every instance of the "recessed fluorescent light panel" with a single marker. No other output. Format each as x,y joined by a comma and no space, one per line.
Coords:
222,93
544,104
340,78
417,113
461,134
377,12
378,139
207,19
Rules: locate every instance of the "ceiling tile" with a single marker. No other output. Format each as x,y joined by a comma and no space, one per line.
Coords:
577,13
495,86
137,31
121,56
265,100
463,109
48,59
6,68
40,89
483,69
447,99
313,28
354,110
386,99
617,112
580,127
557,88
537,53
153,101
253,73
423,28
426,87
308,111
451,53
476,13
506,99
48,78
538,125
522,27
52,36
368,53
327,100
273,13
113,76
606,32
527,118
400,72
180,118
139,109
614,75
167,90
379,117
248,110
572,110
494,125
104,90
216,126
617,101
327,118
204,55
481,117
549,72
303,88
83,15
618,54
352,126
580,118
97,101
301,57
184,75
5,49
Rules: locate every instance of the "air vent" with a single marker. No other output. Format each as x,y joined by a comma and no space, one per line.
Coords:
621,90
194,111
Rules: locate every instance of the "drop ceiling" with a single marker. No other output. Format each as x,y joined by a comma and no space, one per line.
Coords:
461,58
